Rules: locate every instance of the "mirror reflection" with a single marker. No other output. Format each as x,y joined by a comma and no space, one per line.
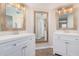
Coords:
14,17
2,17
41,26
65,16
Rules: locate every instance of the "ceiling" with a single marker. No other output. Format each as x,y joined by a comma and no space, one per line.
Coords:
46,5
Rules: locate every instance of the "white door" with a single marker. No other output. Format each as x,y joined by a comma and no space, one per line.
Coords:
73,47
59,45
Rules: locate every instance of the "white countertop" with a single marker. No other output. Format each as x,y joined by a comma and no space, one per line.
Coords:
69,33
7,38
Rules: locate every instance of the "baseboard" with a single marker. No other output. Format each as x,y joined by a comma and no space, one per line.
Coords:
44,47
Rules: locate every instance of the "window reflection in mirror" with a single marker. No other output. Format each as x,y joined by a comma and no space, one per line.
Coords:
2,13
9,21
65,18
12,16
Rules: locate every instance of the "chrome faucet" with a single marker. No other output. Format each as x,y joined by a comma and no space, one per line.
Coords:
16,32
1,27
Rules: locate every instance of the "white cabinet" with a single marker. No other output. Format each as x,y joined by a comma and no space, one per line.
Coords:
73,47
16,51
9,49
66,45
29,49
59,46
24,46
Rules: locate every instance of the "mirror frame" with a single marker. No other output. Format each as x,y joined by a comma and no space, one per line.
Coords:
24,19
75,20
46,23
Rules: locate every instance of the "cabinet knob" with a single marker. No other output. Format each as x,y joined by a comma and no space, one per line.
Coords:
67,42
14,44
76,39
24,47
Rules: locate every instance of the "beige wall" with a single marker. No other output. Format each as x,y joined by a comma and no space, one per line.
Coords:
51,22
77,15
30,23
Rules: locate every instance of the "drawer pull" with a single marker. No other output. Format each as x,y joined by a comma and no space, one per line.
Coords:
67,42
76,39
14,44
24,47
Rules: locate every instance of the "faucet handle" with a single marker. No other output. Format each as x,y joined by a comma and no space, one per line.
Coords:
15,25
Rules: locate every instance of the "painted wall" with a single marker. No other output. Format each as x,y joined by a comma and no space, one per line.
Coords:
77,16
51,22
30,23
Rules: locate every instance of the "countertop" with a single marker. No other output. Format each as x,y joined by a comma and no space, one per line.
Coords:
69,33
6,38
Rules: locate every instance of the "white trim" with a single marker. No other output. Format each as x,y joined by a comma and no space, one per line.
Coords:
44,47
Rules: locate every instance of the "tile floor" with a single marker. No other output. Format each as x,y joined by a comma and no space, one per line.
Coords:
44,52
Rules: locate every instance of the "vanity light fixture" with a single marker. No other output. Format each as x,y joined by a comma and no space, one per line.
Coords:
70,10
65,10
18,5
59,12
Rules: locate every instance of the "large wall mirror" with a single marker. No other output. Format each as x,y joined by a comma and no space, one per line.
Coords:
41,26
65,18
13,17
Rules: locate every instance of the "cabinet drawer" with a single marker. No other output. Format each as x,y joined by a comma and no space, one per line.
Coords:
57,36
70,38
66,37
16,41
6,49
24,41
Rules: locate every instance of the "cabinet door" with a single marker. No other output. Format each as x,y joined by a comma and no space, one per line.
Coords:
59,45
9,49
16,51
29,48
25,50
73,47
6,50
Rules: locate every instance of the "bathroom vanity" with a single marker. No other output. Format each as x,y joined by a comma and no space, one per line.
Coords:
66,36
17,45
66,44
